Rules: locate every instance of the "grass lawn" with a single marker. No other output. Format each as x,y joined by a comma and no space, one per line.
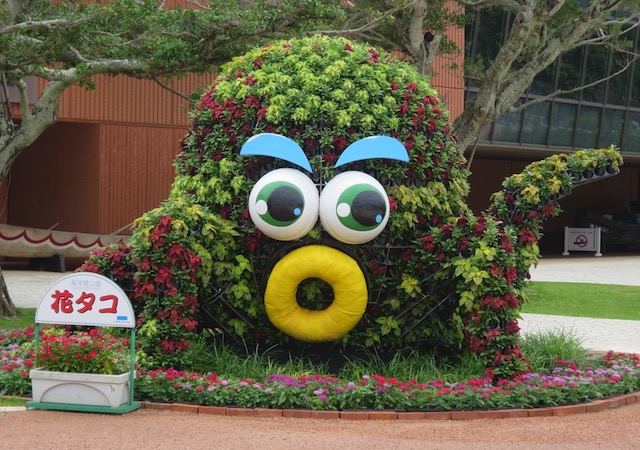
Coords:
24,319
11,401
601,301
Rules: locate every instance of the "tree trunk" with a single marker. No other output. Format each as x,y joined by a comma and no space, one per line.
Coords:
7,308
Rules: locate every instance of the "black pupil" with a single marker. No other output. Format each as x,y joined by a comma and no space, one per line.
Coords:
282,203
367,206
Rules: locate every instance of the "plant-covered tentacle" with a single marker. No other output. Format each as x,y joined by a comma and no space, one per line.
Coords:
518,212
530,197
478,255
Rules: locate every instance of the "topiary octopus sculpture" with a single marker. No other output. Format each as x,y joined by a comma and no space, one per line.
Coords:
320,202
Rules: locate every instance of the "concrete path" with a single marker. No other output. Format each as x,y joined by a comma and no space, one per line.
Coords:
26,289
595,334
622,270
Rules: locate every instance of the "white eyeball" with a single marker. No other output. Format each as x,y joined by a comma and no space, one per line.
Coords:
354,207
283,204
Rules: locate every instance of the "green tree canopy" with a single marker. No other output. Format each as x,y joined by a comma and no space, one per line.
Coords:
69,42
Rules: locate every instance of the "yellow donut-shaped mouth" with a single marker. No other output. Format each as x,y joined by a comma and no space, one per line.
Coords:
337,269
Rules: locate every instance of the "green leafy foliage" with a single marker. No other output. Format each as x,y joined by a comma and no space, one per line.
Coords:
87,35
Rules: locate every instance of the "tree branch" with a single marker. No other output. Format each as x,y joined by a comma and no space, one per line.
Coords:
77,54
6,102
571,91
30,25
173,91
24,96
366,27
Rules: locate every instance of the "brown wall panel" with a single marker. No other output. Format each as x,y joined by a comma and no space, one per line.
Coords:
447,74
54,182
132,101
486,178
4,200
136,171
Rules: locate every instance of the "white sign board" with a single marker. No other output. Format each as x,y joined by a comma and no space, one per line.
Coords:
582,240
85,298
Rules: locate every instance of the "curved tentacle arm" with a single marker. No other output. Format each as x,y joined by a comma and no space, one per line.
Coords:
542,183
530,197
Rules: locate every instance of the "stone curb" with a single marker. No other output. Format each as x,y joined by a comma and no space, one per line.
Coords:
509,413
4,409
552,411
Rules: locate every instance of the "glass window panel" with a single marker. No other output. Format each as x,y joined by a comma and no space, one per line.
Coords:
564,119
485,134
634,101
612,122
570,68
470,93
489,26
596,69
632,133
619,85
536,124
507,127
543,82
634,72
587,127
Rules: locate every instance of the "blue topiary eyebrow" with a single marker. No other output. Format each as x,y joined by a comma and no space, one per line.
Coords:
373,147
277,146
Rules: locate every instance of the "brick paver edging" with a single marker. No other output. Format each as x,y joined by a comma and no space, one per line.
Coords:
594,406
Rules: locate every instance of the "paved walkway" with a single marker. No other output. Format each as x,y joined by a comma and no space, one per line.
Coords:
595,334
26,289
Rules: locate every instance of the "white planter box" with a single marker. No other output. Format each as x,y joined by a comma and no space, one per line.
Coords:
79,388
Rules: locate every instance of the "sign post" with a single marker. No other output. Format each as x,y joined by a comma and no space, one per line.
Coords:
88,299
582,240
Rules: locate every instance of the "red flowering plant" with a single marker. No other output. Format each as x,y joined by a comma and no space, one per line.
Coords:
82,352
479,253
16,359
114,262
169,264
565,384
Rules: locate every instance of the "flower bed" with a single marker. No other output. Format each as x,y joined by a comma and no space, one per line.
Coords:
16,359
606,375
614,374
